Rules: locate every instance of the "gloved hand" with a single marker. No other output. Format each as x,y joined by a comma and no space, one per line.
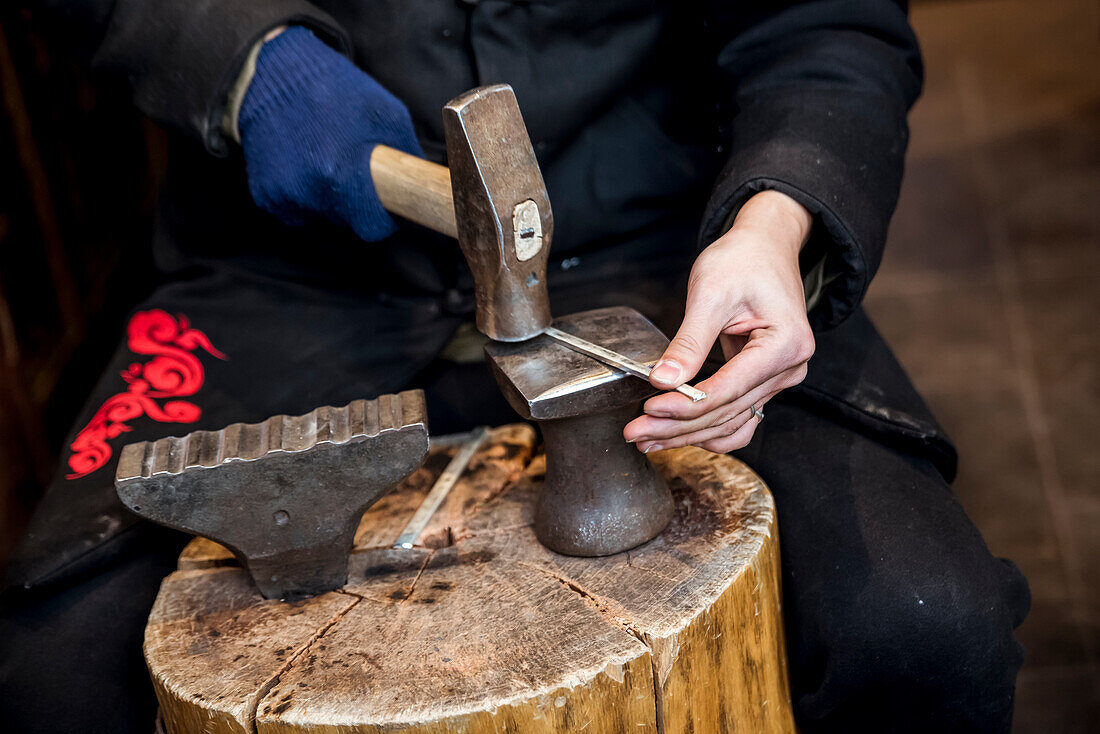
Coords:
308,124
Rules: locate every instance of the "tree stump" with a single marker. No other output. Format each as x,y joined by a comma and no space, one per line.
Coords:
483,630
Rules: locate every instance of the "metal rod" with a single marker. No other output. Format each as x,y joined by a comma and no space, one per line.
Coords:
441,488
448,440
616,360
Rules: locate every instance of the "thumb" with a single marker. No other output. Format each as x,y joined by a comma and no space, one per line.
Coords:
689,348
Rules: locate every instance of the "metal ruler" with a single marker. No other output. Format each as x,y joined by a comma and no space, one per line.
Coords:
616,360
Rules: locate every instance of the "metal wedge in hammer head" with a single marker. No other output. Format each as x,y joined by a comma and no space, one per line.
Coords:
601,496
502,211
284,495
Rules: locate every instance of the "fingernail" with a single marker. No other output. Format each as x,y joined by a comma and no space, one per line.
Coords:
636,440
653,447
666,371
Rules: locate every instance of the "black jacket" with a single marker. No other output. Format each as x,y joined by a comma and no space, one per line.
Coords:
634,107
653,122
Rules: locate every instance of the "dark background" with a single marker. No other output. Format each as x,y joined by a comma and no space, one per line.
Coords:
990,291
79,173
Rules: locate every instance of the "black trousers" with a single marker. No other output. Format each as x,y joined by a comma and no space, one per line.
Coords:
898,618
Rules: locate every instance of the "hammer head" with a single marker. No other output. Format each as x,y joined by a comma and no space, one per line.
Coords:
546,380
502,211
284,495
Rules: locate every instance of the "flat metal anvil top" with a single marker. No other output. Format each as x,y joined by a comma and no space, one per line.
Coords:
284,495
545,380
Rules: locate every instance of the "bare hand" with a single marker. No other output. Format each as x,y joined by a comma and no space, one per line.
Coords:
745,291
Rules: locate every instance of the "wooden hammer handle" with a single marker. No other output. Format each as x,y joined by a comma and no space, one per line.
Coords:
414,188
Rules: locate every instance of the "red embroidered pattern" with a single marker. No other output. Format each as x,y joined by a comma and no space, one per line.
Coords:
173,372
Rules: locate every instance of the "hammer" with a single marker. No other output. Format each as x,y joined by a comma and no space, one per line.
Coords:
492,199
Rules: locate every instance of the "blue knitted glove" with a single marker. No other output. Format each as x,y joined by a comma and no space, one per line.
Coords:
308,124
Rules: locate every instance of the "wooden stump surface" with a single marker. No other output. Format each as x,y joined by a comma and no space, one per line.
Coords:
481,629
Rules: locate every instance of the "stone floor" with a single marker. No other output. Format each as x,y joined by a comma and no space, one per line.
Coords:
990,295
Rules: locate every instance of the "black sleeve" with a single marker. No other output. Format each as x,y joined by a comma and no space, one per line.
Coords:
820,94
182,56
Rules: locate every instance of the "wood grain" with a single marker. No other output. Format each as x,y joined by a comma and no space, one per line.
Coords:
414,188
216,646
433,661
482,629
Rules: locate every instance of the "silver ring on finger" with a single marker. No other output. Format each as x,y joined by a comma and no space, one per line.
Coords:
757,413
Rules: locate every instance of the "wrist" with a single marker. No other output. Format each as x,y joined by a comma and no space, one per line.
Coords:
273,33
780,219
235,98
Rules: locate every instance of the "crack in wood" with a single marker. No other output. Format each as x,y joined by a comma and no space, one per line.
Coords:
658,693
419,573
593,601
273,681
